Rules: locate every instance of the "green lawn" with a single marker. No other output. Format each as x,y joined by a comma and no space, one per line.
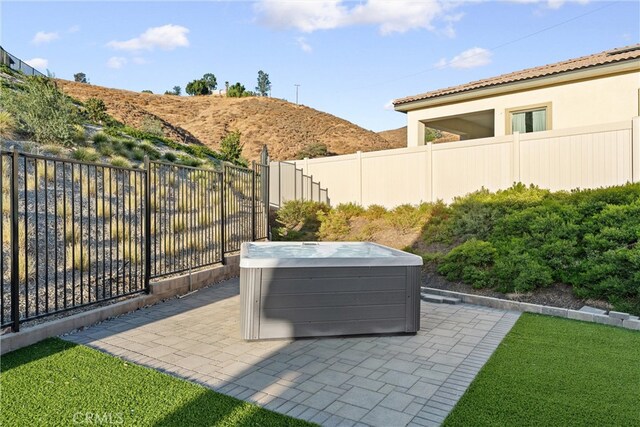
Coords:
59,383
556,372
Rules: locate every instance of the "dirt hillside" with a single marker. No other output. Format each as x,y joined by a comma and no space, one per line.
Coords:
398,137
284,127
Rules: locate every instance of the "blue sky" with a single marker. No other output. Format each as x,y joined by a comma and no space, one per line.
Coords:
350,58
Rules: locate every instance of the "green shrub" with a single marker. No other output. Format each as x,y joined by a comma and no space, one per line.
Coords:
138,154
409,217
299,220
169,157
350,209
42,111
8,125
106,149
99,138
95,110
85,154
470,262
120,162
79,134
149,150
313,150
375,212
151,126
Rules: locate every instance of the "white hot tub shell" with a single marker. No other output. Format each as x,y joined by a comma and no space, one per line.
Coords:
314,289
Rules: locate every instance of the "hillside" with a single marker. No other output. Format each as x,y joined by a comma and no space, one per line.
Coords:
284,127
398,137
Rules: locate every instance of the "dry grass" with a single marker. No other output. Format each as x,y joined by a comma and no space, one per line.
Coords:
77,258
72,231
283,126
130,254
103,210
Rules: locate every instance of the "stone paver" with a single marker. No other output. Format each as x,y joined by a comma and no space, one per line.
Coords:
373,380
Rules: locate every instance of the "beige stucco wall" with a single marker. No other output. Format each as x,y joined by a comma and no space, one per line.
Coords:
583,103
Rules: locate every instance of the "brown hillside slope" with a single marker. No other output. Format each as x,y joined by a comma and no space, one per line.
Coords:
284,127
398,137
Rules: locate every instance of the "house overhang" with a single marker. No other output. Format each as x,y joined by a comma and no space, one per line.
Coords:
590,73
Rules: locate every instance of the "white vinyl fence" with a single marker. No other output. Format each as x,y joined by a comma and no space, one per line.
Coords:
586,157
288,182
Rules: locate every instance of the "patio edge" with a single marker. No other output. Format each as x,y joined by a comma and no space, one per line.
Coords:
160,290
629,323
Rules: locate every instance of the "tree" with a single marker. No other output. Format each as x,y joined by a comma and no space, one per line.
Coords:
96,110
80,78
177,90
231,148
211,81
236,91
264,84
147,91
197,87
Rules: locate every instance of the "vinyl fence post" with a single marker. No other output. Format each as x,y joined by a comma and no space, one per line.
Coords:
222,214
15,291
267,201
147,224
253,201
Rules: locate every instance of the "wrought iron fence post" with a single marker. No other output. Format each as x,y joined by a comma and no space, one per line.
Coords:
147,224
222,215
15,291
253,201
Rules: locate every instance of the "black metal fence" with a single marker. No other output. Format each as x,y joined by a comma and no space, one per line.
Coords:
76,233
17,64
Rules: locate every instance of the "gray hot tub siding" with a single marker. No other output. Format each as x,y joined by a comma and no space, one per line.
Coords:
328,301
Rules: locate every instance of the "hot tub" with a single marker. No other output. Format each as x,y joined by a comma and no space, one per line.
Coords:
328,288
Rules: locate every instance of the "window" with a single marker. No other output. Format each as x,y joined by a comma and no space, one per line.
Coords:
529,118
529,121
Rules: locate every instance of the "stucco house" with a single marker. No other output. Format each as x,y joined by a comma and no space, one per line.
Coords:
599,88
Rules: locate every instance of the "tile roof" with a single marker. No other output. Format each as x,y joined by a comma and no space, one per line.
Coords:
607,57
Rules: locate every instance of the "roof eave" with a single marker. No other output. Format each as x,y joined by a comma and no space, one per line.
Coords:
620,67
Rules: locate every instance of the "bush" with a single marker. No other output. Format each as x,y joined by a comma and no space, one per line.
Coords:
299,220
42,111
470,262
313,150
137,154
85,154
8,125
231,147
120,162
151,126
100,138
96,110
169,157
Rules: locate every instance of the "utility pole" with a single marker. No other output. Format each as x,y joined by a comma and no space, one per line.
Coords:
297,86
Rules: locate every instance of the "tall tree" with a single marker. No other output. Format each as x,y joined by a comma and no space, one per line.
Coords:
264,84
210,80
80,77
177,90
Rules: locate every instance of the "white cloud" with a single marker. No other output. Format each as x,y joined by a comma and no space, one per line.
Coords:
551,4
139,60
389,105
73,29
166,37
116,62
470,58
390,16
44,37
302,44
39,63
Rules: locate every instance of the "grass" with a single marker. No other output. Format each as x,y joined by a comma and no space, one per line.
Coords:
51,382
556,372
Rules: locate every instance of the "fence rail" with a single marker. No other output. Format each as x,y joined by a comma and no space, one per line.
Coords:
17,64
75,233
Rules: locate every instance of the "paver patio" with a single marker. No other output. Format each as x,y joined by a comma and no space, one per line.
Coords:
379,381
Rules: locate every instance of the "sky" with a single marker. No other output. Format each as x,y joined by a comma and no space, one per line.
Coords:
349,58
